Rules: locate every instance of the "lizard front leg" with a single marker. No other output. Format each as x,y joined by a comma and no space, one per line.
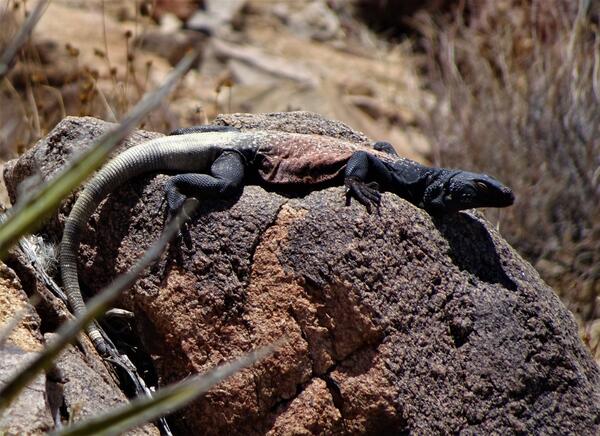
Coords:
385,147
360,167
225,180
366,174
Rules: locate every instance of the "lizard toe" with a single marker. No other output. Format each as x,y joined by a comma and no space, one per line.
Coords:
366,194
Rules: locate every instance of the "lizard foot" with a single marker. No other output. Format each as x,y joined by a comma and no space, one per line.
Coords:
385,147
367,194
174,205
175,199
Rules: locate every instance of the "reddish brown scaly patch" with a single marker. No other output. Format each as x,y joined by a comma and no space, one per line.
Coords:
306,159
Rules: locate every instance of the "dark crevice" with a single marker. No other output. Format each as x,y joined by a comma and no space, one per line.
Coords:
335,391
284,402
55,397
126,340
460,334
336,395
259,238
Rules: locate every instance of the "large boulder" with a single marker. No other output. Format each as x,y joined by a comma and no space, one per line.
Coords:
394,322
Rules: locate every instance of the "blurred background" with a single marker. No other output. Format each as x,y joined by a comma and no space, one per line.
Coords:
507,87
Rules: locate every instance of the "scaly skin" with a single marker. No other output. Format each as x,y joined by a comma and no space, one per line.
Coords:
213,162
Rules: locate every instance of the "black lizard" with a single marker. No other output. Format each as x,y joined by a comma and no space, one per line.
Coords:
214,161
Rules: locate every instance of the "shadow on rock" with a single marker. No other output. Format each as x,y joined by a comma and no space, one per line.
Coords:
472,248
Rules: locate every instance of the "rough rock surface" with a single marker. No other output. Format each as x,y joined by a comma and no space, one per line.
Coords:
29,413
13,299
76,389
86,387
78,386
293,122
395,322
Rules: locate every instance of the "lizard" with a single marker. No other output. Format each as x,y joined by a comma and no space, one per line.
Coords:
215,162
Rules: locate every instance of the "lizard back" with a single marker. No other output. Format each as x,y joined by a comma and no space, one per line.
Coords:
293,158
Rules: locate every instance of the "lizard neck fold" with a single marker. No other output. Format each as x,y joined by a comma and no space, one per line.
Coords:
436,190
411,180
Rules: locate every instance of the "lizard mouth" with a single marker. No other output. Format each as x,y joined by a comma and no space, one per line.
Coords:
504,198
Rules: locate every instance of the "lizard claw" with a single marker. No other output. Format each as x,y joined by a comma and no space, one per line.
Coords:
175,201
367,194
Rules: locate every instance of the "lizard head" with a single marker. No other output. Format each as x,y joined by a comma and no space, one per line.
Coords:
452,191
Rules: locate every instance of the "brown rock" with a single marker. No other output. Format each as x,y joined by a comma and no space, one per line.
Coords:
395,322
29,413
14,303
87,388
52,153
293,122
312,412
78,386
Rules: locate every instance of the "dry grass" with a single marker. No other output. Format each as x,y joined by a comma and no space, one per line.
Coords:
50,81
518,84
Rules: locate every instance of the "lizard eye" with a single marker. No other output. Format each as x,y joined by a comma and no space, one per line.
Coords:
481,186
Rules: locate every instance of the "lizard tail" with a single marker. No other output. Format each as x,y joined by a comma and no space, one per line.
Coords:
125,166
68,262
177,153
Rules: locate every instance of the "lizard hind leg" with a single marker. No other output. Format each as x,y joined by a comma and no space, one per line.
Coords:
225,180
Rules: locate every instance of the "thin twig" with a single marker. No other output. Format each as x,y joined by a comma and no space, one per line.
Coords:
21,38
